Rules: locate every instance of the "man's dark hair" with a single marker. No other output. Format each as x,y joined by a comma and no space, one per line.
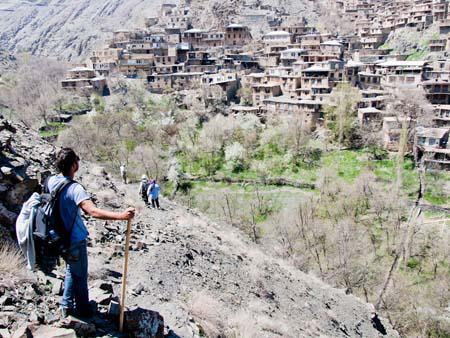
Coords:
65,158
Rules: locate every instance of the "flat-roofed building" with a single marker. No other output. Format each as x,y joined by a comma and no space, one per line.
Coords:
237,36
441,115
84,81
308,111
262,91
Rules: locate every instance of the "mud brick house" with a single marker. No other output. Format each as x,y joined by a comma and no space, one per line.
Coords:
228,82
311,42
84,81
433,147
237,36
291,55
391,131
277,38
262,91
402,73
438,45
367,80
432,137
308,111
332,47
444,27
440,10
372,98
370,116
437,91
441,115
214,39
194,37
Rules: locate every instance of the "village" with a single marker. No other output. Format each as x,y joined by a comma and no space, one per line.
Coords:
290,67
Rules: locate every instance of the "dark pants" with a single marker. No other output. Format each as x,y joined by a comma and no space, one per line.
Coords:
76,294
145,198
155,203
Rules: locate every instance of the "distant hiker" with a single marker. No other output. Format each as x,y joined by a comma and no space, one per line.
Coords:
74,197
153,193
123,173
143,187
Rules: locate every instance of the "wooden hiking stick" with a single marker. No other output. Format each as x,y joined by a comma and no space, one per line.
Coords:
124,277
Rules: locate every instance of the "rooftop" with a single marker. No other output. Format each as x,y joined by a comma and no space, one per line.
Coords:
278,33
432,132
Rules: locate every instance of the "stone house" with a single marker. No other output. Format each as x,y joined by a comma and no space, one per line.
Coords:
437,91
432,137
402,73
307,110
441,115
84,81
237,36
391,131
291,55
277,38
433,147
262,91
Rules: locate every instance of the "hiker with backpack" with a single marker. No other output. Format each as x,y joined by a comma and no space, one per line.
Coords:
65,229
123,173
143,186
153,192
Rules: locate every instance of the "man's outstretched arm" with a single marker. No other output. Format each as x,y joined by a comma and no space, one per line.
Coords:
89,208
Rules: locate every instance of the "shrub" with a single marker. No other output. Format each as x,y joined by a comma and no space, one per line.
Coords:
12,262
413,263
235,157
377,153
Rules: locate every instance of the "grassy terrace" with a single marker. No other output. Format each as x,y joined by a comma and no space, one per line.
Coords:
52,129
348,164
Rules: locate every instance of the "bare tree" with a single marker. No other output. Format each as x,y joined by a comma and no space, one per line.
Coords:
411,109
341,111
37,90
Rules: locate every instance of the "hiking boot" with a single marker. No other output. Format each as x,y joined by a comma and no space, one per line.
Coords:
87,311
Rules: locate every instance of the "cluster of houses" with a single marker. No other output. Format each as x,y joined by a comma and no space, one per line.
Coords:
291,68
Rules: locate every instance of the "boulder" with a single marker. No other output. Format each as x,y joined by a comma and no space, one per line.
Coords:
54,332
57,287
100,296
107,287
22,332
20,192
4,333
82,328
143,323
7,217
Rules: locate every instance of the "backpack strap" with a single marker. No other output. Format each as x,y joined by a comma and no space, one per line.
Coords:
54,194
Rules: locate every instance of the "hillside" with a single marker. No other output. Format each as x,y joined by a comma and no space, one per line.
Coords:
68,29
203,277
71,29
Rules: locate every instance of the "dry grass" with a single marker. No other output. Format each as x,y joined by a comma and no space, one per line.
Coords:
207,312
243,325
12,262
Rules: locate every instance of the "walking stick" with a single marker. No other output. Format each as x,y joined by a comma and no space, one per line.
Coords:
124,277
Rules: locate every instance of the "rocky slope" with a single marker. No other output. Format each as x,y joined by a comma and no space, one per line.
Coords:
204,278
71,29
66,28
